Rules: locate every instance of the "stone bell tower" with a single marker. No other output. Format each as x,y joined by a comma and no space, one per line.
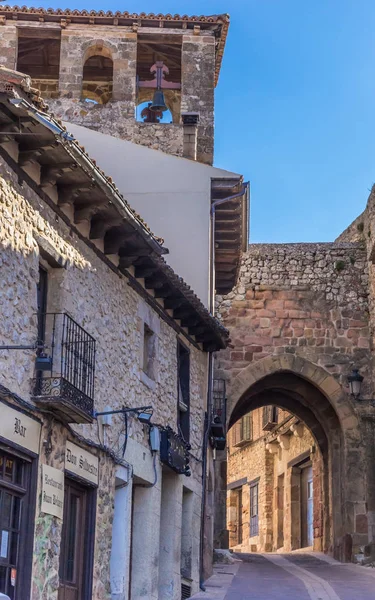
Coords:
104,70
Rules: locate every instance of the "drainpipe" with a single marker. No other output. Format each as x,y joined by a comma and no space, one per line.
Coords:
211,370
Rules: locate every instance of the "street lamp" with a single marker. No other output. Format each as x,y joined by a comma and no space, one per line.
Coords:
144,413
355,383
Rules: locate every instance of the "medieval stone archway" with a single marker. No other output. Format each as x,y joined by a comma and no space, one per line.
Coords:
316,398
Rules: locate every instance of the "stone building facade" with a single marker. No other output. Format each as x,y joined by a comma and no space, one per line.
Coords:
300,320
91,66
109,510
274,484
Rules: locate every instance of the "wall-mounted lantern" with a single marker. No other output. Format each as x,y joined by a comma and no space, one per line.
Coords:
355,380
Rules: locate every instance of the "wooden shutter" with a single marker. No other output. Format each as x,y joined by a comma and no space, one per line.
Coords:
236,433
246,428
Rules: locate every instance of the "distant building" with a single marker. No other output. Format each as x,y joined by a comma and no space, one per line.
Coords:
274,488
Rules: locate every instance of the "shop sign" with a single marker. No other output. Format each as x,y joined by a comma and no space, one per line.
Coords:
17,427
82,463
52,491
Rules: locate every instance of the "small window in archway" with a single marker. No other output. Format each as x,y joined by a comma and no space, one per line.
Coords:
146,115
97,81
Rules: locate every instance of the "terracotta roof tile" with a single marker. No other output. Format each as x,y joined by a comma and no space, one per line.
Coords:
152,19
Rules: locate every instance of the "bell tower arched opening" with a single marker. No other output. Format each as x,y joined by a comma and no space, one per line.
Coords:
97,80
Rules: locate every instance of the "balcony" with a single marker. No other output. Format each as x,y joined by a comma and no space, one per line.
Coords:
64,381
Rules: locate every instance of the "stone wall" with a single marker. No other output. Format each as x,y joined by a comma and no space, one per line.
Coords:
158,136
105,305
304,299
118,116
300,319
265,459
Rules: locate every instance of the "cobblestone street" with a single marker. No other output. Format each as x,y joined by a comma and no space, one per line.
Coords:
289,576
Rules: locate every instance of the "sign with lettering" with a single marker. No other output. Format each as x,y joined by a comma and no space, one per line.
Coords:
52,491
80,462
17,427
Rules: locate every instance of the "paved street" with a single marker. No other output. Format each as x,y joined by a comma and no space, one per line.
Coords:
290,577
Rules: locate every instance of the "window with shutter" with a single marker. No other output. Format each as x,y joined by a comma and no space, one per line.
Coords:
270,415
254,509
242,431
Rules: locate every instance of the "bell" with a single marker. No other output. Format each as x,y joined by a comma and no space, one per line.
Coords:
158,102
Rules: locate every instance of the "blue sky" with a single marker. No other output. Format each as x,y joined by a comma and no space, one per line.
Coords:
295,107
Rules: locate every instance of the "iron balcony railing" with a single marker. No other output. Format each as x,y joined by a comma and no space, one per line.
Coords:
67,381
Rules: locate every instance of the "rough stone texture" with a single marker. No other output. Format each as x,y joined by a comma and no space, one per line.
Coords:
8,47
117,117
253,460
158,136
305,299
103,304
299,321
198,63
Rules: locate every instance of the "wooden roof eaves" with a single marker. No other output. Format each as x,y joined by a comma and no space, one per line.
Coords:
152,19
216,336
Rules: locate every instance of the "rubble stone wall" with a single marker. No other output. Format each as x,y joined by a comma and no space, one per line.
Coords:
118,116
309,300
111,311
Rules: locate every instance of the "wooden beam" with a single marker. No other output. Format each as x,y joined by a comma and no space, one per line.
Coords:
182,313
86,213
197,330
69,193
99,227
28,156
164,292
146,271
174,302
190,322
127,261
154,283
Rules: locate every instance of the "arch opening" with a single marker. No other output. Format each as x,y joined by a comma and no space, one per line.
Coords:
97,80
286,474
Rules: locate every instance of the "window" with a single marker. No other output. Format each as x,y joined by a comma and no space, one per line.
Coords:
77,541
183,391
149,352
242,432
39,57
42,304
254,498
270,417
16,525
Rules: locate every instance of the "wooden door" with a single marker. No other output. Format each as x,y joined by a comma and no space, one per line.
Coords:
239,516
73,542
280,511
307,533
12,523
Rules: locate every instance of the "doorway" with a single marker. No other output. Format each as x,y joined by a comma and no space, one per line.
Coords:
307,506
77,542
16,524
239,516
280,511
